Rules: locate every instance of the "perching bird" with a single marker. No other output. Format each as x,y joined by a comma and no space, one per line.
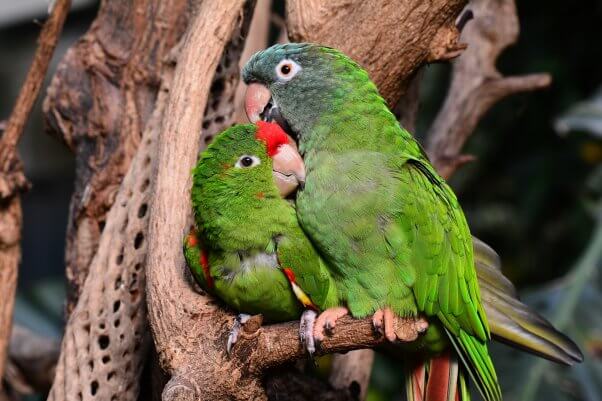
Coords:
389,227
250,250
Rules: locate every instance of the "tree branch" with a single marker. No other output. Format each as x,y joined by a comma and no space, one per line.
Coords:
476,84
12,179
391,39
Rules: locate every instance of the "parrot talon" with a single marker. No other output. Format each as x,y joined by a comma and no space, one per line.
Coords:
306,328
396,328
241,319
326,321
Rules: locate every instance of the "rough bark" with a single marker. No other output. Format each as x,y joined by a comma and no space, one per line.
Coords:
12,178
476,83
105,341
99,103
391,39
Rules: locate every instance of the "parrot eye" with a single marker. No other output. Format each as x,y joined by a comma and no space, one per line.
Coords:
246,161
287,69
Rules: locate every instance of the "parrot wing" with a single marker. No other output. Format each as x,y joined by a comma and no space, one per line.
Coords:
442,256
304,268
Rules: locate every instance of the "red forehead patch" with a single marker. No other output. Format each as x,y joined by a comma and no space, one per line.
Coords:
272,135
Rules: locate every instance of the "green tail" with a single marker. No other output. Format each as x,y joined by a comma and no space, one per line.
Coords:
475,358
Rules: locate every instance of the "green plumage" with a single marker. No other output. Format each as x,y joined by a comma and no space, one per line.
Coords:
250,234
390,228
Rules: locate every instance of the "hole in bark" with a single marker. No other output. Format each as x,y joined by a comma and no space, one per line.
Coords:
217,87
142,210
116,323
102,326
116,306
206,124
110,375
134,295
101,225
125,224
119,259
79,395
138,240
215,104
106,359
219,119
94,387
103,342
208,139
87,327
91,365
118,283
355,389
147,161
144,185
138,266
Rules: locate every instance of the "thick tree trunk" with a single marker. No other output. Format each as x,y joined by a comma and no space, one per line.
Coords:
99,104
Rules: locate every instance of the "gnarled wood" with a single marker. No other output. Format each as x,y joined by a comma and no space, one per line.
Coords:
391,39
99,103
476,83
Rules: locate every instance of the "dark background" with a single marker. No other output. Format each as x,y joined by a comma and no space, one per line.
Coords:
532,194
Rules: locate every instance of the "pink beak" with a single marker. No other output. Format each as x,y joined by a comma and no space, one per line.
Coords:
256,99
288,169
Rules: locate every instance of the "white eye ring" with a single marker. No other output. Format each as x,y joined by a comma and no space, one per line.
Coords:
246,161
287,69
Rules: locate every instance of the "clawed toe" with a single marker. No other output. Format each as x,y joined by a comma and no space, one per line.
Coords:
306,331
326,321
396,328
235,330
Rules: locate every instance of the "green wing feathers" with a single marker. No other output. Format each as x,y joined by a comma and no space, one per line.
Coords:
513,322
446,283
297,253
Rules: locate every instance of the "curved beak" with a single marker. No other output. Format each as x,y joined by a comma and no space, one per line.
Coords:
288,169
256,100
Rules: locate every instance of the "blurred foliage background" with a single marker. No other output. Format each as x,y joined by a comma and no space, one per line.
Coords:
534,193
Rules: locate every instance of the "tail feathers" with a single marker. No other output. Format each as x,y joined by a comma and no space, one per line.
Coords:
475,358
513,322
438,379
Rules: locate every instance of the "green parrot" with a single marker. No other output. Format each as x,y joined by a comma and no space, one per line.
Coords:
249,250
239,168
389,228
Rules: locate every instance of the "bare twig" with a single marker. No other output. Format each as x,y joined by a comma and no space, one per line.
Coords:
476,84
12,179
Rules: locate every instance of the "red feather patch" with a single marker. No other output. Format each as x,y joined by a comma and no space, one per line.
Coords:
205,265
272,135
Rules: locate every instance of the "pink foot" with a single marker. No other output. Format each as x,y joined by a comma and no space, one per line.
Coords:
326,321
398,328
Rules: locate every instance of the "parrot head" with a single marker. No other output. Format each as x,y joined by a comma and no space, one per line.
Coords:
249,162
295,84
